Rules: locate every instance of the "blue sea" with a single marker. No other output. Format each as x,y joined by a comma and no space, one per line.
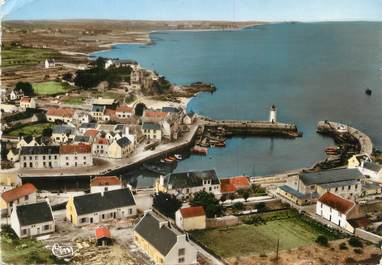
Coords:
310,71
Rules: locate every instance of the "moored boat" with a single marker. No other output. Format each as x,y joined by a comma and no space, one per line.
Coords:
199,150
178,156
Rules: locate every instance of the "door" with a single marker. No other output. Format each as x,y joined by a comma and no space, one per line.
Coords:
91,220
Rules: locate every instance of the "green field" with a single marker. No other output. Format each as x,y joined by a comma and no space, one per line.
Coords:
24,251
50,88
242,240
33,129
19,56
73,100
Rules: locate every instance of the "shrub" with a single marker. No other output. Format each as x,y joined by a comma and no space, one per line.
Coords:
261,206
355,242
238,206
322,240
343,246
358,250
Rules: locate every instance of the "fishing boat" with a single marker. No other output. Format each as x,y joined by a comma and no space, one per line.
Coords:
368,91
178,156
199,150
173,158
220,144
332,150
168,160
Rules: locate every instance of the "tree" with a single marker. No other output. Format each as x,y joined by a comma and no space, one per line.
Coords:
355,242
67,77
260,206
47,132
209,202
322,240
25,87
223,198
238,206
246,195
166,203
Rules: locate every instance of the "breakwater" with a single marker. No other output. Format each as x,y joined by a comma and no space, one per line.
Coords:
255,128
343,132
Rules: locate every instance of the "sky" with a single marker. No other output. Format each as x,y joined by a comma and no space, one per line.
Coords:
232,10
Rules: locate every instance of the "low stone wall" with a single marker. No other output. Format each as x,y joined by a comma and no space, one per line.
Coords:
229,220
368,236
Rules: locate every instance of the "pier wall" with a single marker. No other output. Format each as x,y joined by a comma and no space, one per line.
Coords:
336,128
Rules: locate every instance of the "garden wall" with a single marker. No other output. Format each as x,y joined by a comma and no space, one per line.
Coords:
368,236
229,220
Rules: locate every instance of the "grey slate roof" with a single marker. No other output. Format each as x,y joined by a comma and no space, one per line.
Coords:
62,129
39,150
298,194
327,176
170,109
81,138
372,166
339,183
192,179
124,141
88,125
150,126
35,213
162,238
98,108
95,202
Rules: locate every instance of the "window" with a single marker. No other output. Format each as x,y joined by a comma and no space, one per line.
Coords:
349,187
181,260
84,157
26,197
130,211
46,227
24,231
83,220
181,251
336,188
43,157
356,186
67,158
75,158
50,157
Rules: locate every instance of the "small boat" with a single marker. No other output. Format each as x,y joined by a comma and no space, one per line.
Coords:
178,157
368,91
173,158
220,144
199,150
162,160
163,170
168,160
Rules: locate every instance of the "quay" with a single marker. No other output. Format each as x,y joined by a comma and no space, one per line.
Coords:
140,155
339,130
254,128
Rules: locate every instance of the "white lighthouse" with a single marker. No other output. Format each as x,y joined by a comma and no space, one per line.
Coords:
273,114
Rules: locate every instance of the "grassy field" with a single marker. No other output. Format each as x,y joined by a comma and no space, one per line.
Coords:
19,56
49,88
23,251
243,240
73,100
34,129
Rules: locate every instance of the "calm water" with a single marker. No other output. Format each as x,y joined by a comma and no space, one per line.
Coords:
312,72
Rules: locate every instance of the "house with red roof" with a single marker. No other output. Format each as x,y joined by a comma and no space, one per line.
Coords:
124,112
231,185
105,183
191,218
74,155
338,210
154,115
27,103
103,236
24,194
60,114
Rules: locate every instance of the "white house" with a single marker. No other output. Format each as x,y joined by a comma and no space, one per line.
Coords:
101,207
124,111
163,242
105,183
49,63
62,134
27,103
13,155
337,210
32,220
120,148
371,170
183,184
152,131
24,194
191,218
